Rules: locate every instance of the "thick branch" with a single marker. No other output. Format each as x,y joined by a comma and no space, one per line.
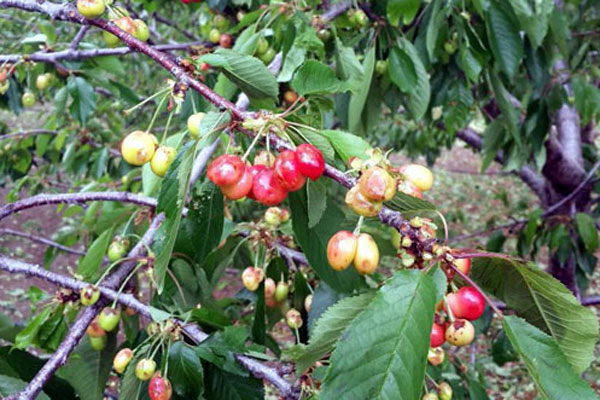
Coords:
75,198
42,240
336,10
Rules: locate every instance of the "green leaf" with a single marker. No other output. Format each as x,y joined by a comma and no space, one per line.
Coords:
503,33
358,99
586,227
547,365
383,354
10,385
248,73
418,98
508,111
317,201
201,230
150,181
587,99
171,201
314,77
347,145
224,385
402,70
84,98
29,334
405,203
544,302
294,58
316,139
88,370
185,371
407,9
433,27
90,263
327,330
534,20
347,66
314,242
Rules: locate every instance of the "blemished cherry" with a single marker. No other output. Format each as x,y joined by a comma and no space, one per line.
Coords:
293,318
126,24
214,36
251,278
367,254
409,188
141,30
281,291
241,188
361,205
98,343
430,396
287,170
270,287
310,161
444,391
159,388
42,81
437,335
341,250
28,99
225,41
94,329
275,216
376,184
466,303
267,189
89,295
290,96
265,158
436,356
109,319
122,360
162,160
460,333
138,147
91,8
145,369
116,251
419,175
226,170
193,124
463,265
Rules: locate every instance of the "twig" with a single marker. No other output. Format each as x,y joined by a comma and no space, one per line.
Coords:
575,191
30,132
79,37
43,240
336,10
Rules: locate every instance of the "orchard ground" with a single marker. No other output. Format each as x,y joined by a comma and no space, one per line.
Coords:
470,201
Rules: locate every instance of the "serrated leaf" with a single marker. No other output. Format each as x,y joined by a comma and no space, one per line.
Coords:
544,302
83,104
418,98
185,371
402,70
28,335
509,113
358,98
87,369
171,201
383,354
347,66
314,77
433,27
314,242
201,230
329,327
317,201
346,144
534,20
247,72
90,263
294,58
505,42
586,227
406,203
547,365
405,9
224,385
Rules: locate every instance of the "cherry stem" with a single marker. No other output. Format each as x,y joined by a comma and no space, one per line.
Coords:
470,281
162,102
359,225
167,128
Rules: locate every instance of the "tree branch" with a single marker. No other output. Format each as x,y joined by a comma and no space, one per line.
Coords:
42,240
79,37
27,133
60,357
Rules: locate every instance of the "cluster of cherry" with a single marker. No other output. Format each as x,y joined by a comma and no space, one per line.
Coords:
463,306
268,184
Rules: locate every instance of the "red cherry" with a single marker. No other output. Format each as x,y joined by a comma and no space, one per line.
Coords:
437,336
226,170
310,161
463,265
254,170
159,388
287,170
467,303
241,188
267,189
